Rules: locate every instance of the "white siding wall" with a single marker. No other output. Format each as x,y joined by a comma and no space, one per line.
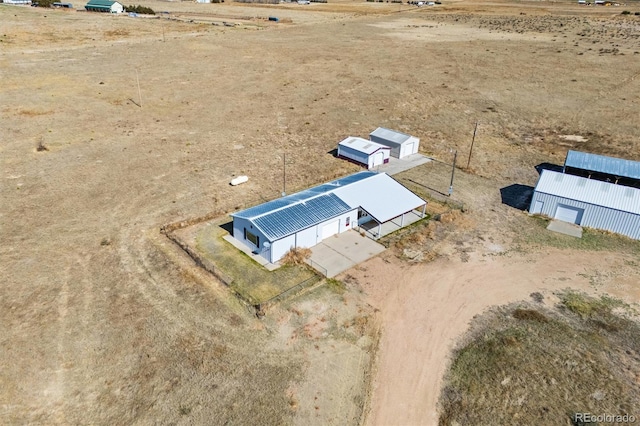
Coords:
311,236
280,247
380,155
410,146
353,154
117,8
308,237
238,232
597,217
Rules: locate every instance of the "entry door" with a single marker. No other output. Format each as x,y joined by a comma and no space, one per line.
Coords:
537,207
569,214
330,229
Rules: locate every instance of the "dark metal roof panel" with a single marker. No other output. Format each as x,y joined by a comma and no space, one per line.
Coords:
603,164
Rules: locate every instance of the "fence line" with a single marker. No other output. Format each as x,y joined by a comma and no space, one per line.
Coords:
290,292
318,267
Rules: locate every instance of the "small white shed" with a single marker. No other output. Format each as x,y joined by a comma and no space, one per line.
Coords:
367,153
401,144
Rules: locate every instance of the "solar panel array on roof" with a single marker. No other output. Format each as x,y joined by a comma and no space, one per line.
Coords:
383,198
356,177
603,164
294,218
279,203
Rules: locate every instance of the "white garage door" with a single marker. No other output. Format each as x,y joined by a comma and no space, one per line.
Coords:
330,229
569,214
408,150
378,159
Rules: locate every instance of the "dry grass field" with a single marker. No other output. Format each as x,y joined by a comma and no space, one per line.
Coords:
104,321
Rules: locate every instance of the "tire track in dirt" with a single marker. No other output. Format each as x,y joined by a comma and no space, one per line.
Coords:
434,306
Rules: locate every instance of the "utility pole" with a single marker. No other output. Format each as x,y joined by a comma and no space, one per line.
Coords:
472,141
139,95
453,170
284,174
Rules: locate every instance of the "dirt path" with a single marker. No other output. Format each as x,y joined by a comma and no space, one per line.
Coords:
426,308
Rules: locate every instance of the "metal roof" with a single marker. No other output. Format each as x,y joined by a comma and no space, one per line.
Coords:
381,196
390,135
377,193
100,3
603,164
362,145
297,217
590,191
280,203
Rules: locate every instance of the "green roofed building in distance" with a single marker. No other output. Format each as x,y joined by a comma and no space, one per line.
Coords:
108,6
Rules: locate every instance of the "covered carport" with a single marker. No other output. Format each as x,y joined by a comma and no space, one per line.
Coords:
383,201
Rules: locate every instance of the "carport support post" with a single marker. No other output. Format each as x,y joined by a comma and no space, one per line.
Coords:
379,229
402,221
424,209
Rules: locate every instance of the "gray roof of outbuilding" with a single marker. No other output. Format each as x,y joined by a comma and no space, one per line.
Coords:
603,164
590,191
390,135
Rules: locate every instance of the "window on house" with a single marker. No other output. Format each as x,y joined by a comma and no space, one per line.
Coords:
251,237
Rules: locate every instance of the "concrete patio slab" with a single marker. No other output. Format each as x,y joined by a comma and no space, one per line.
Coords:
343,251
395,165
565,228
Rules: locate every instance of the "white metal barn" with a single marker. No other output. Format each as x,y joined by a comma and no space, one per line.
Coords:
588,202
401,144
364,152
306,218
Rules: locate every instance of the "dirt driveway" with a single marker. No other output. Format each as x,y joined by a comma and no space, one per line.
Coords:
426,308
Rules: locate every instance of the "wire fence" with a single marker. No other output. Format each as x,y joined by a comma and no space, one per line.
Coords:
318,267
290,292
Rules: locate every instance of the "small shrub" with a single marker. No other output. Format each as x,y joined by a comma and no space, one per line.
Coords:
537,297
296,256
41,147
143,10
529,315
44,3
626,12
336,285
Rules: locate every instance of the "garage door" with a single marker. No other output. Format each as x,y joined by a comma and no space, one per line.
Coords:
408,150
378,159
330,229
569,214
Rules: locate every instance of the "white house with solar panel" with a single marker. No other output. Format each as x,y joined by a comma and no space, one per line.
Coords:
596,191
401,144
366,153
306,218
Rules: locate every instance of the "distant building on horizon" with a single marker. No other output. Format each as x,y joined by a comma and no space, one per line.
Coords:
108,6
